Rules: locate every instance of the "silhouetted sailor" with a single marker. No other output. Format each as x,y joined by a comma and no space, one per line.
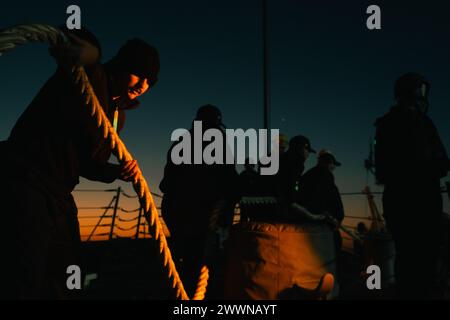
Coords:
249,186
319,194
318,191
249,179
54,142
196,198
292,166
410,160
270,201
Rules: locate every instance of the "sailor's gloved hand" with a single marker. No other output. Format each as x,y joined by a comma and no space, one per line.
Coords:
332,221
129,171
305,213
78,52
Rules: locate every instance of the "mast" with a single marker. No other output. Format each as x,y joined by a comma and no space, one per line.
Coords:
265,39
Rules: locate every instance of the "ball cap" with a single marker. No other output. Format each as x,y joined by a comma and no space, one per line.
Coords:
211,115
327,156
139,58
300,142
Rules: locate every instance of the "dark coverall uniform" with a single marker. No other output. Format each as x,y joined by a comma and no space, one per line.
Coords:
250,186
292,166
249,183
410,160
192,194
319,194
283,186
52,144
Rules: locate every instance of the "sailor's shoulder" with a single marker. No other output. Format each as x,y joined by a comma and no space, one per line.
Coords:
393,118
428,121
315,173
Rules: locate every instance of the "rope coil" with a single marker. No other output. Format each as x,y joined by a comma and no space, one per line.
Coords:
19,35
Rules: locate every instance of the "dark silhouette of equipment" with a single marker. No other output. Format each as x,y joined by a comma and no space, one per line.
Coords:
369,163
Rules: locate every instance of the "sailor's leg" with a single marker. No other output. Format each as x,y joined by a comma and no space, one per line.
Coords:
65,248
25,239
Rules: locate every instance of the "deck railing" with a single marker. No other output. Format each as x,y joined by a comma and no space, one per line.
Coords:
114,221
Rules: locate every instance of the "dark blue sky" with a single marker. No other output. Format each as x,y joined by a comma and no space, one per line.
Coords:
330,76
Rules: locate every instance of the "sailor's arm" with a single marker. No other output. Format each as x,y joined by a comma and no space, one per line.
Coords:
305,213
441,162
102,172
107,172
79,51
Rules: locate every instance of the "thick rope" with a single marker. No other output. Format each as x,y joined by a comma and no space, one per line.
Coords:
202,283
11,38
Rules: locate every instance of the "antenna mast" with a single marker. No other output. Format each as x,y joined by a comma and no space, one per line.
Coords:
265,64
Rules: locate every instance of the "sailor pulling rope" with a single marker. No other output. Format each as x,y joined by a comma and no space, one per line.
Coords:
305,213
12,37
